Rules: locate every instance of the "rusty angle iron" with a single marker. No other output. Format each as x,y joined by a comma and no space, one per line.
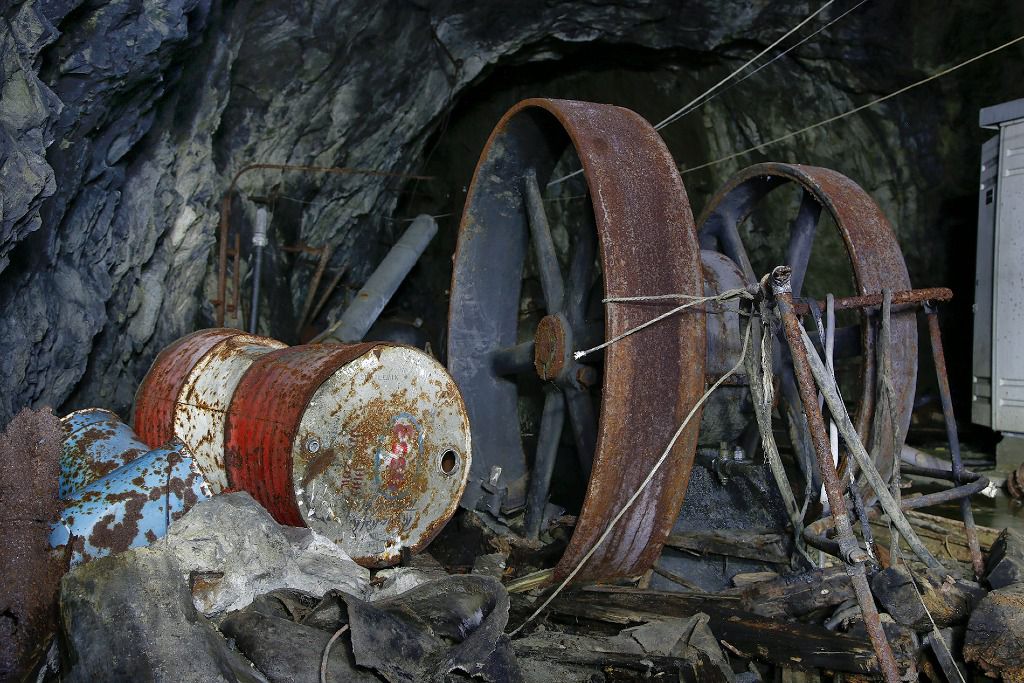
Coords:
648,246
875,257
367,444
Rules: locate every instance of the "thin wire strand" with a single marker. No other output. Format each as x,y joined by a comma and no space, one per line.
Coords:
643,484
327,651
769,62
935,627
681,111
862,107
724,296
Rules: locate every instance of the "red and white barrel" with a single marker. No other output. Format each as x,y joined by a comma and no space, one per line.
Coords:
188,390
367,444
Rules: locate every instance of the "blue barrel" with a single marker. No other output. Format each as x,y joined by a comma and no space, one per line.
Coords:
96,443
131,506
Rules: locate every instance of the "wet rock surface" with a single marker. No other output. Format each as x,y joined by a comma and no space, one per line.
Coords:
445,629
232,550
229,595
122,123
130,617
220,556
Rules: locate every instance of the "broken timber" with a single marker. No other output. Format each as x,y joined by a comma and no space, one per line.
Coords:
794,645
764,546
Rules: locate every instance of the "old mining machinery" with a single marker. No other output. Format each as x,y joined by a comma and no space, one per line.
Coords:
635,260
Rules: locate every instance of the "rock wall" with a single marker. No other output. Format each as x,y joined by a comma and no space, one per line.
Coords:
122,123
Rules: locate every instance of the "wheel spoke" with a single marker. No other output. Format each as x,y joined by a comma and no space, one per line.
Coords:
801,239
544,462
581,275
732,246
543,245
583,419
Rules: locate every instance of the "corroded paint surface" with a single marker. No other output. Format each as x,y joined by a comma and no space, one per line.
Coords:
382,454
350,440
271,420
204,399
157,397
131,506
96,443
877,264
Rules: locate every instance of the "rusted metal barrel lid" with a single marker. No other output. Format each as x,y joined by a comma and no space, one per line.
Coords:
367,444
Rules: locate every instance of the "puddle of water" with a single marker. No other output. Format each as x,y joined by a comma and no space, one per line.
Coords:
999,512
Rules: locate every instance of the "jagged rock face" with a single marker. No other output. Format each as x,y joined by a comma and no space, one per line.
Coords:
123,122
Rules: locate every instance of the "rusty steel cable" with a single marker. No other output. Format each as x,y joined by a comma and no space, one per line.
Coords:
759,369
851,553
939,360
709,93
693,301
856,448
700,99
685,111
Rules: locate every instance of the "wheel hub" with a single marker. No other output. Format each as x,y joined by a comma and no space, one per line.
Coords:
552,347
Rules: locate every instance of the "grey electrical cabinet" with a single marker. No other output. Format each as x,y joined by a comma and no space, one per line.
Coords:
998,386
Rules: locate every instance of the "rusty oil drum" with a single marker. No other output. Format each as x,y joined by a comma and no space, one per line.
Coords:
367,444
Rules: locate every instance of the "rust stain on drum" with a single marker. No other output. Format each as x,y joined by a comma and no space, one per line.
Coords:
156,399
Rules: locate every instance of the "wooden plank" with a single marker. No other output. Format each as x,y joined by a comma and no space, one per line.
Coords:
802,646
795,596
952,544
763,545
700,669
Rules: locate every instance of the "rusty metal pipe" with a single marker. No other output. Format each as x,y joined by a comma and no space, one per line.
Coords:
910,297
222,259
359,317
939,358
314,285
327,293
815,532
225,212
259,240
856,447
850,552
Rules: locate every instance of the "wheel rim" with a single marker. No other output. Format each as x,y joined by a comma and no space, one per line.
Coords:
875,259
647,245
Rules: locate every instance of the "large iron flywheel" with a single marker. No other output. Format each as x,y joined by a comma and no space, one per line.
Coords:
622,412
